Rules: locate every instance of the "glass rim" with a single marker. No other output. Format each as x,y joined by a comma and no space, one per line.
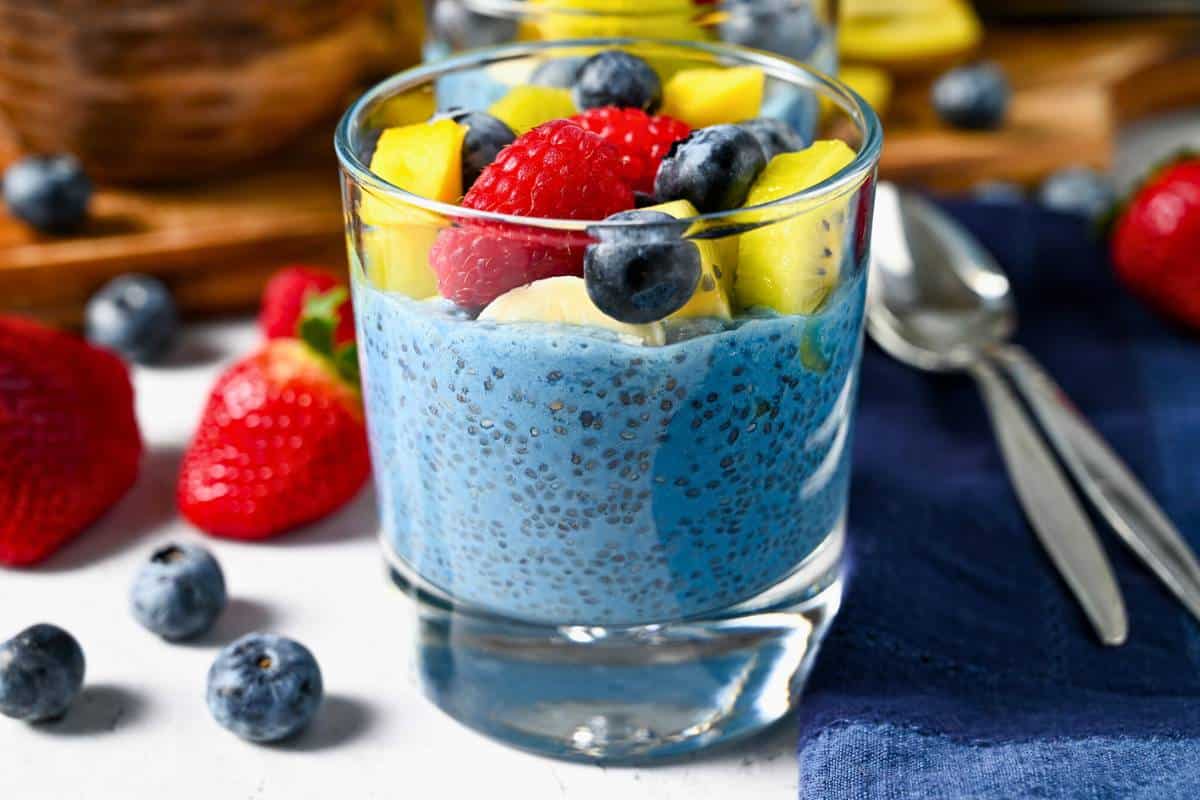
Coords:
845,179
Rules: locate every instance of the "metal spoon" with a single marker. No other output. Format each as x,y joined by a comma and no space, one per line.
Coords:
938,302
1113,489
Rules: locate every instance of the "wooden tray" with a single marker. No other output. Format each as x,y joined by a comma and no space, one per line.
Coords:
1073,86
215,243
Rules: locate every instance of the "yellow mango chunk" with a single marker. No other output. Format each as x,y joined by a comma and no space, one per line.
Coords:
713,95
396,257
425,159
878,8
924,36
526,107
663,19
792,265
711,298
619,7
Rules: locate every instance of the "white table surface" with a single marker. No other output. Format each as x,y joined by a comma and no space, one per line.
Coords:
141,729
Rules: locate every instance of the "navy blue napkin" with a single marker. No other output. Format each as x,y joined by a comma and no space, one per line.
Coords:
960,666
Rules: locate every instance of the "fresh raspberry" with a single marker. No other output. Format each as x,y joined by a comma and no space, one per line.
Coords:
642,139
1156,242
558,170
284,297
69,441
485,261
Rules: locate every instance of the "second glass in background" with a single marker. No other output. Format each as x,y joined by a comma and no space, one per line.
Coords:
799,29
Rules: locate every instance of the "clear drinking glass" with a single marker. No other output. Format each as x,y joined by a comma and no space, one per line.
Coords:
622,544
799,29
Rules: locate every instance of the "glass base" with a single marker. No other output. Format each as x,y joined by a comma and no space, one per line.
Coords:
627,694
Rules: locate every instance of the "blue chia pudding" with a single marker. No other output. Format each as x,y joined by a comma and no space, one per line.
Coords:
559,473
639,411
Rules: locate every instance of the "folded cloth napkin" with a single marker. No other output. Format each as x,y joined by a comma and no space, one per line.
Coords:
960,666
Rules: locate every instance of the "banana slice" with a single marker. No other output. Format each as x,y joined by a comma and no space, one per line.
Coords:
565,300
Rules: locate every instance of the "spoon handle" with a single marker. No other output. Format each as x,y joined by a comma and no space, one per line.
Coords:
1053,509
1110,485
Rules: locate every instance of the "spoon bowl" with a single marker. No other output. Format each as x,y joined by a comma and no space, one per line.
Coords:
937,299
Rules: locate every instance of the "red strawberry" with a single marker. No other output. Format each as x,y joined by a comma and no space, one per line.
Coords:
1156,242
284,297
557,170
643,140
69,441
281,441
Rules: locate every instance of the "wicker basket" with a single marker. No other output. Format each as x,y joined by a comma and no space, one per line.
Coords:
160,90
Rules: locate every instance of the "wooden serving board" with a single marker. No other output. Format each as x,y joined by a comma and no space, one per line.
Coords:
215,243
1073,87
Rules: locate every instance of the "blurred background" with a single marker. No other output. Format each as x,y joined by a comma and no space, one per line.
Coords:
206,127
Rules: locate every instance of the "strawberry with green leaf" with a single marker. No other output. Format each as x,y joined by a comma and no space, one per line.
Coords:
286,294
281,442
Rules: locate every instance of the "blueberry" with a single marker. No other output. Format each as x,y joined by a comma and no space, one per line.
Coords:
974,97
641,274
558,73
41,671
49,193
616,78
1078,190
774,136
463,29
713,168
264,687
486,136
998,192
179,592
777,26
133,315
